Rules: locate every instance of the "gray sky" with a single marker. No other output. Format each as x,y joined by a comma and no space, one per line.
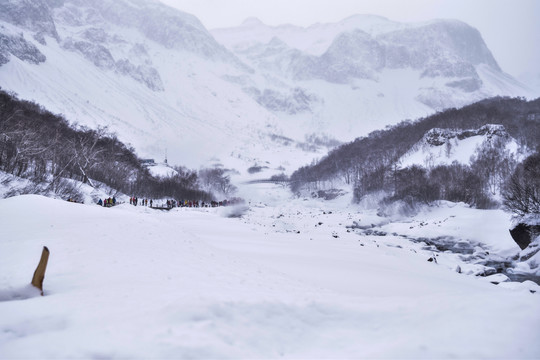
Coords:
510,28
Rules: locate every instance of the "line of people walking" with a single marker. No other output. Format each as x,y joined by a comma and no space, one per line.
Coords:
142,202
168,204
171,203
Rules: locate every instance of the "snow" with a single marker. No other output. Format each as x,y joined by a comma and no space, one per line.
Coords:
161,170
530,257
276,277
131,282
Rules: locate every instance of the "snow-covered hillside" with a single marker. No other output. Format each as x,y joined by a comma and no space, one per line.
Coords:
444,146
163,83
158,90
290,281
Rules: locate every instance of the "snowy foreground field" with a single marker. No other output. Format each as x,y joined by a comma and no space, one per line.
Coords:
293,279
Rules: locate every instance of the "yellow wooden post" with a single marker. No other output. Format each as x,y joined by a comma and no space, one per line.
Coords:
39,274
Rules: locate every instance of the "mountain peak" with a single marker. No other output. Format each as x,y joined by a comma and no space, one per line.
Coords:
252,21
366,18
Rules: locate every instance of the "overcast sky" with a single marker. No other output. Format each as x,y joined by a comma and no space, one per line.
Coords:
510,28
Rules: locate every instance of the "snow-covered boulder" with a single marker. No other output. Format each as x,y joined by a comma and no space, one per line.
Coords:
523,234
526,232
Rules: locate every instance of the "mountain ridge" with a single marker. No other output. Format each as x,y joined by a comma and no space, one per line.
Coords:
159,79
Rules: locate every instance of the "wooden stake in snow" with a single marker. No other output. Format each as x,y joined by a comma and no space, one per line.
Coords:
39,274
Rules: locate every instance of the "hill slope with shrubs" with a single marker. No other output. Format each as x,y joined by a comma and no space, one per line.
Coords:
371,164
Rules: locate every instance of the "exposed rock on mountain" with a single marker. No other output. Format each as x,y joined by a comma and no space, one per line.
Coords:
98,54
352,55
33,15
142,73
296,101
438,137
19,47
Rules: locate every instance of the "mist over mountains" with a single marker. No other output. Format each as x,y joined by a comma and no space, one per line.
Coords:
253,94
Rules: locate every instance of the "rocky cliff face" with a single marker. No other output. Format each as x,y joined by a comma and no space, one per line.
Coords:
157,22
439,137
33,15
19,47
443,47
88,29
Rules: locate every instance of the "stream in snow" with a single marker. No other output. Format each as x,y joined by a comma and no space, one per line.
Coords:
466,240
468,251
476,254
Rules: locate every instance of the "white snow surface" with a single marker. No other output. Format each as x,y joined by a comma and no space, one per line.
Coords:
161,170
287,280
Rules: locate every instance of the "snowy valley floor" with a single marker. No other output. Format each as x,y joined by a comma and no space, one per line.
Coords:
290,279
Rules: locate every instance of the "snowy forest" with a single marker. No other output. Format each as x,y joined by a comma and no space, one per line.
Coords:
372,163
45,149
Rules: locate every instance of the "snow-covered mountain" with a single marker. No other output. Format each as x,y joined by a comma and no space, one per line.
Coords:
150,73
382,70
247,95
445,146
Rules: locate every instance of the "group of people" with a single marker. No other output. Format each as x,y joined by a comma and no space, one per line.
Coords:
169,204
109,202
135,201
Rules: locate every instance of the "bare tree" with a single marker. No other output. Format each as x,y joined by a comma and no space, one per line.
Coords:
522,192
86,153
216,180
494,163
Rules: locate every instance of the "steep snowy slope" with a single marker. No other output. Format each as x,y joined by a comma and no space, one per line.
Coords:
159,89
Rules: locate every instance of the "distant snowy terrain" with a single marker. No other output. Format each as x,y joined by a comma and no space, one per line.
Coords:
161,81
295,280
